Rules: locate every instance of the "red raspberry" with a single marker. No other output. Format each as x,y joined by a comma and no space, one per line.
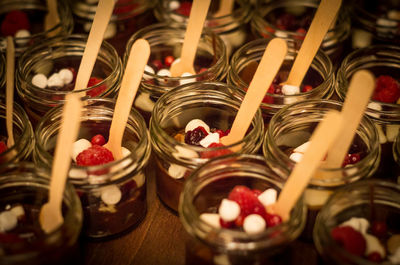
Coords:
215,153
375,257
379,229
272,219
169,60
257,192
98,140
96,91
184,9
306,88
3,147
14,21
387,89
247,201
94,155
194,137
351,159
157,64
352,240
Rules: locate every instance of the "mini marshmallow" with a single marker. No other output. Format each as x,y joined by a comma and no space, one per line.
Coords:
193,124
209,139
361,38
174,5
392,130
39,80
373,108
229,210
55,80
79,146
302,148
66,76
281,34
176,171
164,72
211,219
373,245
111,30
22,37
184,153
149,69
296,157
254,224
395,258
359,224
76,173
187,81
18,211
268,197
8,221
290,90
394,14
144,102
111,194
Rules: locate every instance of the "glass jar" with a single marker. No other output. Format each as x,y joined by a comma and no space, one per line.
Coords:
380,60
214,103
244,64
270,19
373,200
24,189
203,192
128,17
232,28
125,178
24,140
36,11
293,125
396,155
2,75
54,55
166,41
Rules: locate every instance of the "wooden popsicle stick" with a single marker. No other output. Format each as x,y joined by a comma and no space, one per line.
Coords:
50,214
102,17
358,95
320,141
194,28
10,68
270,63
323,18
52,18
225,8
137,60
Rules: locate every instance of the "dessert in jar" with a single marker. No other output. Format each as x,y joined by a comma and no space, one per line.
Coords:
360,225
24,21
232,28
286,140
384,108
24,190
128,17
47,72
112,192
222,208
317,84
179,143
210,62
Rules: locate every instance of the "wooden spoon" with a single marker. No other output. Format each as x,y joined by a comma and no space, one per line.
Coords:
322,138
50,217
137,60
52,19
96,34
358,95
225,8
323,19
270,63
195,25
10,68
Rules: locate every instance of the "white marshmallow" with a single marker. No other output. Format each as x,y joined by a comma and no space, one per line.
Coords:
254,224
193,124
302,148
111,194
268,197
39,80
8,221
290,90
394,14
281,34
66,76
18,211
361,38
164,72
187,81
176,171
209,139
150,70
374,106
184,153
55,80
395,258
373,245
76,173
144,102
79,146
296,157
392,130
229,210
22,37
211,219
174,5
111,30
359,224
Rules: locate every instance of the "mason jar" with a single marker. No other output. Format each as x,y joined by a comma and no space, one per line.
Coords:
210,62
203,192
293,125
24,140
232,28
290,20
396,155
213,102
373,200
381,60
24,189
128,17
124,178
244,64
60,53
36,11
2,75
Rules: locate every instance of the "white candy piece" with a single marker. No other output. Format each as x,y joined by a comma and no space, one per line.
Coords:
144,102
187,81
359,224
174,5
296,157
290,90
373,245
280,34
392,130
229,210
66,76
8,221
150,70
211,219
394,14
361,38
268,197
193,124
176,171
55,80
22,37
254,224
164,72
39,80
111,30
209,139
302,148
18,211
395,258
111,194
76,173
184,153
374,106
79,146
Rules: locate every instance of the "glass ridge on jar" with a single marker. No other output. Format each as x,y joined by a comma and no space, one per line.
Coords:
203,192
213,102
396,155
2,75
125,176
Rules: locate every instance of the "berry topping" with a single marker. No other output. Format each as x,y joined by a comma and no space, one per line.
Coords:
375,257
193,137
3,147
379,229
226,224
98,140
94,155
306,88
215,153
387,89
184,9
352,240
272,219
169,60
351,159
96,91
247,201
13,22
